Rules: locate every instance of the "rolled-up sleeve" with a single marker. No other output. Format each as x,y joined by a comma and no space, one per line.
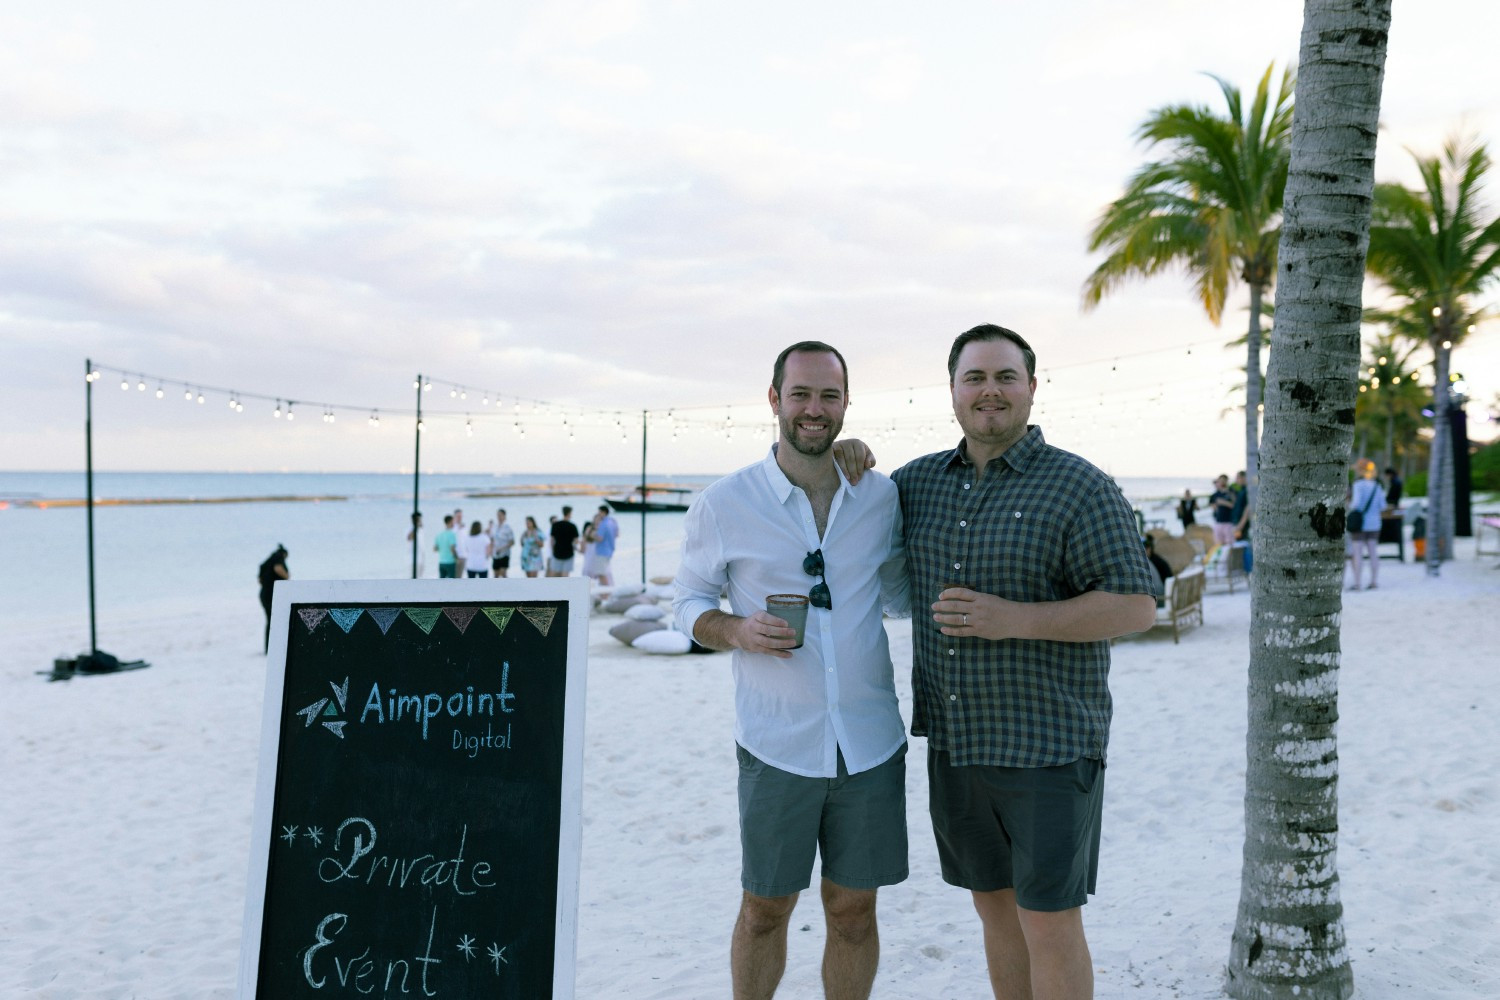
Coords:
895,583
701,572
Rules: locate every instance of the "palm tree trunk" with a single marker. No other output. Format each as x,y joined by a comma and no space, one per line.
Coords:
1289,937
1253,399
1440,459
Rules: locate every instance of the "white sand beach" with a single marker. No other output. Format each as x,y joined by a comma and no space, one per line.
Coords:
127,801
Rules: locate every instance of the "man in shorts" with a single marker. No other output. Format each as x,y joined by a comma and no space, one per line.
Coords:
502,540
820,741
1030,557
564,535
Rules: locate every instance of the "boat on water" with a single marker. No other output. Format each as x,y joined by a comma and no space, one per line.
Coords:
641,500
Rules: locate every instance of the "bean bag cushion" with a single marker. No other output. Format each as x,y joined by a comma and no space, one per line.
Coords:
666,641
645,612
617,605
629,631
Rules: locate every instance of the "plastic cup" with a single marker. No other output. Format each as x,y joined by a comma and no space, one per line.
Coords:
792,609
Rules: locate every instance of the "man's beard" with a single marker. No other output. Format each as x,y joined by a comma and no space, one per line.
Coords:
812,449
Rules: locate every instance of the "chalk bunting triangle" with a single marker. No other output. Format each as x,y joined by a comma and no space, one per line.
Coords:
540,617
345,617
460,617
384,617
424,618
311,617
500,616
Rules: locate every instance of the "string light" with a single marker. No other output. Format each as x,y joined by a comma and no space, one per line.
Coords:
159,392
289,413
125,384
277,414
141,385
187,394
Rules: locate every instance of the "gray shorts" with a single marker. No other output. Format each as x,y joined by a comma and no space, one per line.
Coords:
1031,829
856,822
562,567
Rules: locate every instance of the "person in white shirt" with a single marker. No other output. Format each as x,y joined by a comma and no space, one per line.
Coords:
821,743
474,551
502,540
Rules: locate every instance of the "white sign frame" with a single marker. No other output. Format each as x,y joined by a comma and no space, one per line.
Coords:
349,593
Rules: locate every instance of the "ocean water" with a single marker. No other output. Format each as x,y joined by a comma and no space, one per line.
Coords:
202,556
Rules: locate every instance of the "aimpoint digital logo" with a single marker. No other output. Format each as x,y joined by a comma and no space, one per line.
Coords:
323,711
421,708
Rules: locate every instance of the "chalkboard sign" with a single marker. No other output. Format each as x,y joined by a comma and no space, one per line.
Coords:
416,826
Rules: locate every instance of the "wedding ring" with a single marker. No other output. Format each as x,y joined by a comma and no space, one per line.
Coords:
966,621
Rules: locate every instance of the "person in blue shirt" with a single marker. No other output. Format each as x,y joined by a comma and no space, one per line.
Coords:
444,546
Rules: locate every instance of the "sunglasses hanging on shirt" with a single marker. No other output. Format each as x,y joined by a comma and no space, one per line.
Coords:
818,596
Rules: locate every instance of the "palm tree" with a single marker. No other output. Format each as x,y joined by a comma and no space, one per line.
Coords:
1212,206
1289,937
1389,407
1437,253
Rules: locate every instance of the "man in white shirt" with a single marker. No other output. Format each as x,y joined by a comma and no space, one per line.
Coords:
503,539
821,744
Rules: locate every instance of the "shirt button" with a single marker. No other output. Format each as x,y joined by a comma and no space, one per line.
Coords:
958,565
953,697
1018,513
963,524
952,652
966,485
830,670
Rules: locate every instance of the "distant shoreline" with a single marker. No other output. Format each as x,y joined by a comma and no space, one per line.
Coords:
530,490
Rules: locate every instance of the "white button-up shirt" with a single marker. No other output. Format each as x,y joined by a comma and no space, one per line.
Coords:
750,531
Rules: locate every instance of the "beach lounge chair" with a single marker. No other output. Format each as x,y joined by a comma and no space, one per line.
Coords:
1183,606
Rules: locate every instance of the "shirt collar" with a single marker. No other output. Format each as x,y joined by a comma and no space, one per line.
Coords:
1018,456
782,487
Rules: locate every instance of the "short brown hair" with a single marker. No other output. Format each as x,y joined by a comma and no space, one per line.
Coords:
989,331
806,347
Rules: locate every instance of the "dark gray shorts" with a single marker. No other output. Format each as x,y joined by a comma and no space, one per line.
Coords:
857,822
1031,829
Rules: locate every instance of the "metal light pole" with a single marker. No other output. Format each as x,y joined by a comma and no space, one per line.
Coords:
643,498
88,478
416,481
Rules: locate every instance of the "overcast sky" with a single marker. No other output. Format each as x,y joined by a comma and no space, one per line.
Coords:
595,208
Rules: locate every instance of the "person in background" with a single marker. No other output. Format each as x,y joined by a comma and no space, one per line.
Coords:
474,551
273,569
1222,505
1393,487
564,535
446,545
459,532
531,548
606,531
1187,509
414,537
502,540
1367,499
1162,567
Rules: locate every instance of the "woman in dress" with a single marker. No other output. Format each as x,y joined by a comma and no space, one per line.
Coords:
586,546
531,548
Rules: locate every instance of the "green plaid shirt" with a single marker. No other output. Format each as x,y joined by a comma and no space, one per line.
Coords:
1041,525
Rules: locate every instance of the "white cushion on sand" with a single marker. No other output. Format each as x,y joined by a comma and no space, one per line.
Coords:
628,631
661,591
668,641
627,590
617,605
644,612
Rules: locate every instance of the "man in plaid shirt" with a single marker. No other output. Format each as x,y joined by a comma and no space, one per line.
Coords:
1033,560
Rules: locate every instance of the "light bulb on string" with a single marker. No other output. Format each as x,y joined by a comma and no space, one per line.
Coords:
289,413
160,392
416,383
141,385
277,414
463,394
187,394
200,398
452,393
231,401
421,424
125,384
427,386
485,401
468,426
